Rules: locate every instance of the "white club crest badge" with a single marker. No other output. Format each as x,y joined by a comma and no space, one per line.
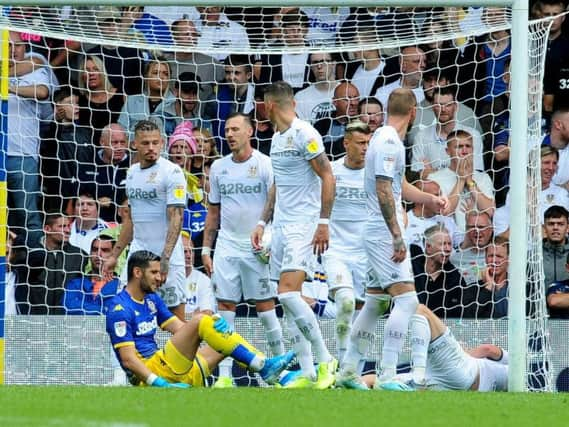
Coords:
120,328
252,173
152,178
151,306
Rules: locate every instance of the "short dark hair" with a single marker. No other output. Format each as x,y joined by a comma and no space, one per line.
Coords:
146,126
62,93
187,82
140,259
246,117
448,90
369,100
556,211
104,238
238,60
295,17
52,217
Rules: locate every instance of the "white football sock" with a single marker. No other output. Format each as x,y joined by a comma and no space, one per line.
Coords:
273,330
404,306
301,347
363,332
420,338
226,365
344,311
306,321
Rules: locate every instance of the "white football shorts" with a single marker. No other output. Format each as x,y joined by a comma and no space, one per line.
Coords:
346,272
239,274
382,272
291,250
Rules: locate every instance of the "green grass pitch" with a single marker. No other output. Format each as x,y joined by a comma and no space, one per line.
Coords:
32,406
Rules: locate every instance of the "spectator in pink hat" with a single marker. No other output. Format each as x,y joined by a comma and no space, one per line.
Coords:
182,145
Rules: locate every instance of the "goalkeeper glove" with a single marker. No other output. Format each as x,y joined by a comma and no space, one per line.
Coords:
156,381
221,325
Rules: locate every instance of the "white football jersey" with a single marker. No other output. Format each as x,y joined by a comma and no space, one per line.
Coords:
349,213
150,191
313,104
241,189
298,187
385,158
83,238
200,292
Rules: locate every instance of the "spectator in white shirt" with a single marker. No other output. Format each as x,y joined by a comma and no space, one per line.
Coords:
315,102
220,35
429,146
412,63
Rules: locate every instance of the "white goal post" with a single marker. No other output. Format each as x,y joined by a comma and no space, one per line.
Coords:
521,112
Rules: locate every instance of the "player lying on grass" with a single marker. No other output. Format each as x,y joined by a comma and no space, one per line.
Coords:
440,363
136,313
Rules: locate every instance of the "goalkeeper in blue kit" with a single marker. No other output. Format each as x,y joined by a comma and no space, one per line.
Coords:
135,314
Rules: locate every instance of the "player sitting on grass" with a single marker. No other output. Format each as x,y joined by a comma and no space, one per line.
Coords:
136,313
440,363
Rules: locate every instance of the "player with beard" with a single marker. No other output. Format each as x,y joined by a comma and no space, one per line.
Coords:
389,272
137,312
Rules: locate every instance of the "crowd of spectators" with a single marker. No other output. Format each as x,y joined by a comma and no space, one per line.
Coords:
73,107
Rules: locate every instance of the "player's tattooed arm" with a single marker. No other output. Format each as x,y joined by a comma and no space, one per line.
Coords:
269,209
387,205
323,169
175,216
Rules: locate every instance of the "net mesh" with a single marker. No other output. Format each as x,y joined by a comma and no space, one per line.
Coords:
109,65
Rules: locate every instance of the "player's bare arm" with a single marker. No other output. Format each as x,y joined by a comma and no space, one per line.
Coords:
321,166
413,194
210,233
389,212
175,216
125,237
266,217
487,351
130,361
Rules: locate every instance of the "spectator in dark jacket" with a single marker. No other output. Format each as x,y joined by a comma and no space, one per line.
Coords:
67,149
106,177
555,244
438,282
47,268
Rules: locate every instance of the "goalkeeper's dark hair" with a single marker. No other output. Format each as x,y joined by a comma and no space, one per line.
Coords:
140,259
